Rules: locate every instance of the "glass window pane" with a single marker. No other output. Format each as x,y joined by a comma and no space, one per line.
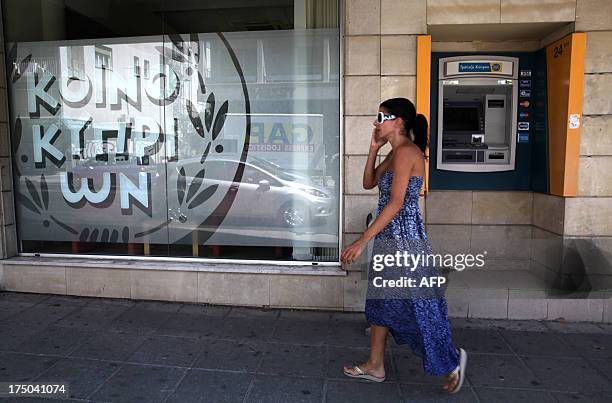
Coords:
205,129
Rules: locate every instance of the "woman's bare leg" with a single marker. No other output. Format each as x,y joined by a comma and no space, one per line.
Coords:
376,364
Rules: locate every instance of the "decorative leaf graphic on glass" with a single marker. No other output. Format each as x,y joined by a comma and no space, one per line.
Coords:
196,183
25,202
15,145
219,120
45,191
201,82
38,203
203,196
194,117
33,192
210,108
94,235
205,154
181,184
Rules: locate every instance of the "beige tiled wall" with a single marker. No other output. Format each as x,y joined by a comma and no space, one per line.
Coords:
585,216
397,86
95,282
593,15
398,55
479,207
521,11
502,241
40,279
595,137
362,55
401,17
502,207
449,207
547,248
362,17
595,176
353,180
597,94
361,96
589,214
443,12
485,46
380,63
463,12
599,56
356,209
548,212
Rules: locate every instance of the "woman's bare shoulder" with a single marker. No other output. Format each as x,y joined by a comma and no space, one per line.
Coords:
408,151
407,158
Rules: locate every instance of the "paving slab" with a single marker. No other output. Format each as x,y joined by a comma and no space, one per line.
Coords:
291,359
362,392
568,374
232,355
167,350
268,388
109,346
138,383
84,376
210,386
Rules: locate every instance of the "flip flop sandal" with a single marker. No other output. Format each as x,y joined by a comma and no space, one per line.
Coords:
460,370
361,374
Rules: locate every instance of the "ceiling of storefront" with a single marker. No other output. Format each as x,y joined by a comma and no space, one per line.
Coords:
494,32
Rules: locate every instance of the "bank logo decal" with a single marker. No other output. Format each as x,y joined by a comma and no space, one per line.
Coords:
71,122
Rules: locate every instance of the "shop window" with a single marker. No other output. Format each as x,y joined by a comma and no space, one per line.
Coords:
198,130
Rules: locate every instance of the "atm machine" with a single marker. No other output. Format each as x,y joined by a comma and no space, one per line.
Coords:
477,113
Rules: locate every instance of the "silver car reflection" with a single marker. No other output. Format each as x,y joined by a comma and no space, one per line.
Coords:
268,192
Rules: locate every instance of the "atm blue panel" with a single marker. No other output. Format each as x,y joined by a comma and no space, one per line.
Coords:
519,179
539,161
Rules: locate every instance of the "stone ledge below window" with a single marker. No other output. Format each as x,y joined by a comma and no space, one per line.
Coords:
170,265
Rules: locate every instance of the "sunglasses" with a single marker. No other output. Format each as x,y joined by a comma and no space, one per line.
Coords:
381,117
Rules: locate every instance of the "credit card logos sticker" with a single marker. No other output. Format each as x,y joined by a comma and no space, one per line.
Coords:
526,83
525,93
523,125
525,73
524,115
523,137
524,104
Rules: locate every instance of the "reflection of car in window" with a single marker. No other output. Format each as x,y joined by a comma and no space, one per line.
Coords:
266,191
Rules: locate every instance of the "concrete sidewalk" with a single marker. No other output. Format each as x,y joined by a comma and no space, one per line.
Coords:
120,350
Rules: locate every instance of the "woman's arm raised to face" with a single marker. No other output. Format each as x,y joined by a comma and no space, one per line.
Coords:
371,175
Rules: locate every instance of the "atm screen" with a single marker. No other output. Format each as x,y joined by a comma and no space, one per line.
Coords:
461,119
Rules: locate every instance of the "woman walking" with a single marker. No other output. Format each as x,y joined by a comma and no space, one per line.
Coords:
413,316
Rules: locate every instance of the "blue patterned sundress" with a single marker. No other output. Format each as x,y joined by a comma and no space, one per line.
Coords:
421,322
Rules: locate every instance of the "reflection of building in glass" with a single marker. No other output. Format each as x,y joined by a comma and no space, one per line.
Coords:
104,57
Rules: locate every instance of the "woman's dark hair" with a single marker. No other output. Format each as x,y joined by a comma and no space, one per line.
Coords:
403,108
